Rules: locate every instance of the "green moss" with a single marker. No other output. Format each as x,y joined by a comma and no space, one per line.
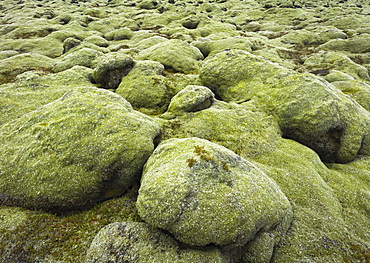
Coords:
41,236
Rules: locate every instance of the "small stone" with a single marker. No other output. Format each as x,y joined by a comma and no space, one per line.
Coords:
191,98
191,22
70,43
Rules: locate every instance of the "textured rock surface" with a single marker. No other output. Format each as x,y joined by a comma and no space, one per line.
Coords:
209,195
14,65
33,89
301,78
83,57
38,170
191,98
174,54
145,86
140,242
308,109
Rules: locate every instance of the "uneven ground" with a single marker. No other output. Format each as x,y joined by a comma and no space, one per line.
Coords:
288,89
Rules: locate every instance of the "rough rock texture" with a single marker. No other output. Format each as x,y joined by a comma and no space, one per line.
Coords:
145,86
291,97
210,195
39,171
308,109
83,57
111,69
324,61
174,54
33,89
140,242
14,65
241,128
191,98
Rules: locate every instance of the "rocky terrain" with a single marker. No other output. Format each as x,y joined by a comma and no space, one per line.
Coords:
185,131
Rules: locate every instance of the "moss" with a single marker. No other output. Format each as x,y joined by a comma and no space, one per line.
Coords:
42,236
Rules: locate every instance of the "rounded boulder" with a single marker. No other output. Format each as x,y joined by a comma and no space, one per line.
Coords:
203,193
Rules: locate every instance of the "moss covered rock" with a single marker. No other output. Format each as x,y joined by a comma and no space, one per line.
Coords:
354,45
241,128
337,61
47,46
208,194
48,156
111,68
191,98
174,54
301,37
328,224
33,89
139,242
17,64
82,57
210,47
308,109
249,113
145,87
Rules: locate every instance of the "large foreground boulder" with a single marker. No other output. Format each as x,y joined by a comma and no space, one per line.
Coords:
203,194
85,147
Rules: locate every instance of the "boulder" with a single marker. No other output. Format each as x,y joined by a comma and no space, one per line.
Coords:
335,60
119,34
192,98
357,90
353,45
82,57
190,22
241,128
203,194
145,87
111,68
301,37
211,47
137,242
17,64
33,89
97,40
308,109
174,54
47,46
336,75
36,30
70,43
148,42
332,33
49,156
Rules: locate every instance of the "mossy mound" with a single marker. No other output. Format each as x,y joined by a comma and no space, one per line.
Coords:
283,84
39,170
129,242
208,194
307,108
